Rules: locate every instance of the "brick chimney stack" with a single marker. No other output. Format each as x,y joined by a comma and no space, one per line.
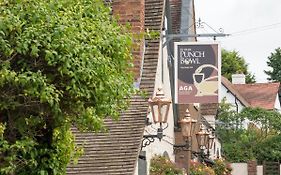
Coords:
132,12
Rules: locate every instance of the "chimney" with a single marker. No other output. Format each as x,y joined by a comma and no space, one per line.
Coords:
238,79
132,12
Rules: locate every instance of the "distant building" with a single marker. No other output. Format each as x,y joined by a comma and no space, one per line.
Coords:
241,95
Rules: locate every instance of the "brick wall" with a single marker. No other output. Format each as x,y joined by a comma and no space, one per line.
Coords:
252,167
132,12
175,6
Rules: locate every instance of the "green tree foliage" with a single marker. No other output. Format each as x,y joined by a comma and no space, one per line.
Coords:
233,63
274,62
62,63
269,149
260,140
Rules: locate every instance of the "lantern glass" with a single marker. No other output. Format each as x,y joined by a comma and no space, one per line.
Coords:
187,125
160,107
202,137
164,112
154,110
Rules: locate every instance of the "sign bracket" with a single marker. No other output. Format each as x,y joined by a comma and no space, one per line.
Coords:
169,37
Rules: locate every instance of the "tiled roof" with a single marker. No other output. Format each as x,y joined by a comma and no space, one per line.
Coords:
153,22
209,108
234,91
261,95
116,152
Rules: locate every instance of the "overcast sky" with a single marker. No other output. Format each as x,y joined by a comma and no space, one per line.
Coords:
258,20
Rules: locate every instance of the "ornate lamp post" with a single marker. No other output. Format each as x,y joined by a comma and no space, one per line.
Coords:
159,106
204,139
187,129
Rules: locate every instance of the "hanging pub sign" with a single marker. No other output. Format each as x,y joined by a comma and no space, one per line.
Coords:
197,72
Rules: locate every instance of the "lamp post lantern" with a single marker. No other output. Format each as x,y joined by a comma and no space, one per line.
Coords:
159,106
187,129
187,125
202,137
204,140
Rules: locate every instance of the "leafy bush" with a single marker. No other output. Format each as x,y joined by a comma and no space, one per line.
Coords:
269,149
160,165
62,63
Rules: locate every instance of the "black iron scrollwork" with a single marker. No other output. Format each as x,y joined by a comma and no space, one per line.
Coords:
201,24
178,148
147,140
